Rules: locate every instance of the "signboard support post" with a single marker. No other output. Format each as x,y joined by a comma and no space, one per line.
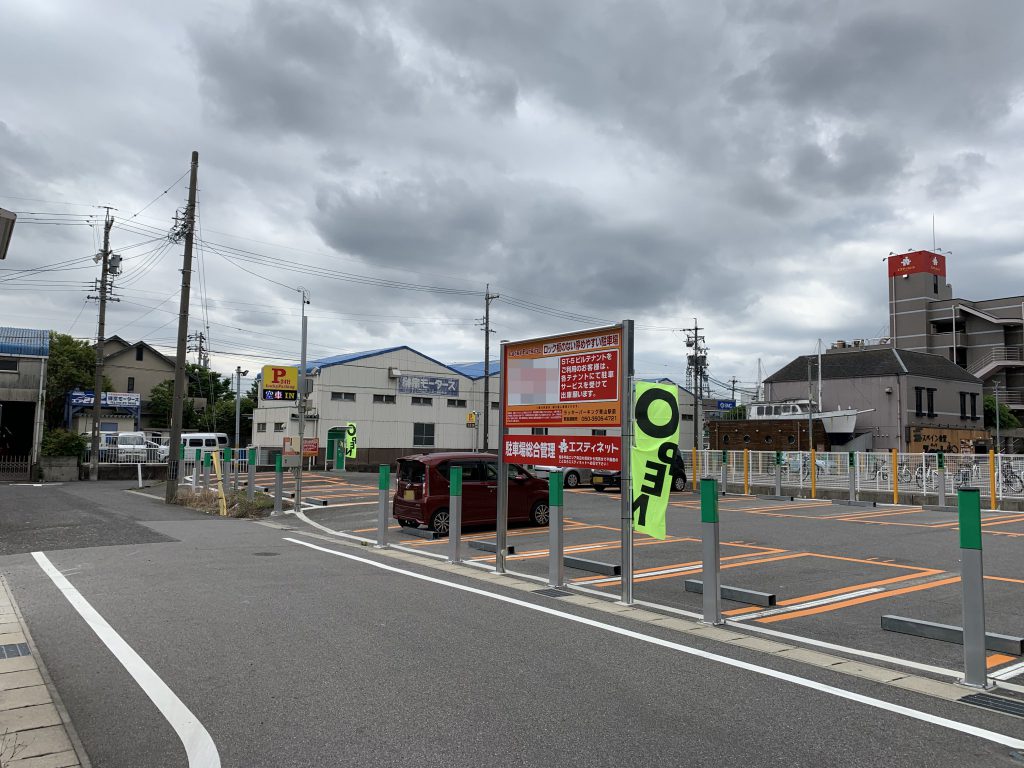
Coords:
711,548
455,515
502,516
195,468
556,531
383,486
250,485
972,579
278,483
941,458
626,506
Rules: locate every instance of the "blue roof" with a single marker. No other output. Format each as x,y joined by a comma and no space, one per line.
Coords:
475,370
24,341
325,362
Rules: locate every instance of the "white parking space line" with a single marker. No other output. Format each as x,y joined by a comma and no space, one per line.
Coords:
842,693
811,604
1009,672
201,751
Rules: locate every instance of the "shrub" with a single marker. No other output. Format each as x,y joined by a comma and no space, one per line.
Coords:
60,442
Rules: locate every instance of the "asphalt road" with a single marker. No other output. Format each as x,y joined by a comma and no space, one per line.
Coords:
293,656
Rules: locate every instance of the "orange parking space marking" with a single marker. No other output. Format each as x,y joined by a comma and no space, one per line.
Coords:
857,516
762,551
997,659
1015,519
856,601
1005,578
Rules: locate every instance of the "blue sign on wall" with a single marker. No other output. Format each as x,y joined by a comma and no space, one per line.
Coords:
726,405
428,385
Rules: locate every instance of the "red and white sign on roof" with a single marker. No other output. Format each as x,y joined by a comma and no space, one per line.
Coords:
917,262
599,452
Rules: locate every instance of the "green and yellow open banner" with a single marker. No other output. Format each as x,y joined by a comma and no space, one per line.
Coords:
655,442
350,441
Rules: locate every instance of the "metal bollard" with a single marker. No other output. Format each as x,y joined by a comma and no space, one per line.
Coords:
278,484
710,547
455,515
972,580
725,467
207,461
853,476
941,457
383,486
226,467
778,473
556,531
250,489
195,468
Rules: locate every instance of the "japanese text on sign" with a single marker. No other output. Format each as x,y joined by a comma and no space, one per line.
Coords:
598,452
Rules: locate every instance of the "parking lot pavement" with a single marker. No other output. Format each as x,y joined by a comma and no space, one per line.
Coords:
834,569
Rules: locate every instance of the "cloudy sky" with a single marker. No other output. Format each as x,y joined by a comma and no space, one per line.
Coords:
748,164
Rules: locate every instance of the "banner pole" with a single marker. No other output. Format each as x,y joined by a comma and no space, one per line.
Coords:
501,521
625,453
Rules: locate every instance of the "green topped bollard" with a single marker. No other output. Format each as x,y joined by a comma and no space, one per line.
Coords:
278,483
455,515
941,459
853,475
556,531
250,483
711,549
972,582
778,474
207,461
195,467
383,487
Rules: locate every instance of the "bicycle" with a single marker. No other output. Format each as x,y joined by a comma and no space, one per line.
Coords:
926,477
967,474
1009,481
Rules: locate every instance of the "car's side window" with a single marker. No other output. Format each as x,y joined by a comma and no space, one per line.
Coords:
472,472
492,471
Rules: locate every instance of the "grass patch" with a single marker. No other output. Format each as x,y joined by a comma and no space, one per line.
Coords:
238,503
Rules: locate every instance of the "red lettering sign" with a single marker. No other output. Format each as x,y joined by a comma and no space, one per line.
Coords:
600,452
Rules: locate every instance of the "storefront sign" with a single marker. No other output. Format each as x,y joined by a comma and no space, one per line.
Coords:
428,385
569,451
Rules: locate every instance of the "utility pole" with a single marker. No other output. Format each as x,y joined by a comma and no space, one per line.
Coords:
202,353
732,382
488,298
186,230
239,373
301,405
97,387
696,363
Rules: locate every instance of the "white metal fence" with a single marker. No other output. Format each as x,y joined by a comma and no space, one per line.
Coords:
914,473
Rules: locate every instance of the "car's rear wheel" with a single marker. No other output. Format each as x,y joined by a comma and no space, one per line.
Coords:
678,483
440,522
572,480
540,514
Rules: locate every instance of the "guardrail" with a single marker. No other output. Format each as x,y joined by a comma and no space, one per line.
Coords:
997,355
813,473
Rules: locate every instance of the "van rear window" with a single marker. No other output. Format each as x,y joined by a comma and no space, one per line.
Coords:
413,472
222,439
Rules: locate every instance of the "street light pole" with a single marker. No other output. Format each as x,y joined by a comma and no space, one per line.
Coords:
997,417
239,373
302,404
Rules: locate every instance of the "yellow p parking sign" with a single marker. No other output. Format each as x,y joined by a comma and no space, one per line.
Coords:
656,440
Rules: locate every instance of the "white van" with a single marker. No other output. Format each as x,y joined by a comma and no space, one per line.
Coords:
207,442
131,447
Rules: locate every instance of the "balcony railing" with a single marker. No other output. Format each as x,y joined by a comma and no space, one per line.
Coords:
994,356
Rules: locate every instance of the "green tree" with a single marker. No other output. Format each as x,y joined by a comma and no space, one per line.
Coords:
72,365
160,401
60,442
1007,420
214,388
739,412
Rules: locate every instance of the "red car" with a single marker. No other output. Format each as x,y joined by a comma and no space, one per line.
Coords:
422,492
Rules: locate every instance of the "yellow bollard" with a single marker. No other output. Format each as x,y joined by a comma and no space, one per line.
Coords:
992,479
814,475
895,476
746,471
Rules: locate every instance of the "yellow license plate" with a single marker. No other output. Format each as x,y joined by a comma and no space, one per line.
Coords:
410,496
598,480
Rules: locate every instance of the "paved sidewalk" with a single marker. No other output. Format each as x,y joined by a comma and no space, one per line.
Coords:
33,733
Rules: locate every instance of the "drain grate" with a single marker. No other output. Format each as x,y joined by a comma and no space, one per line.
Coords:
998,703
552,592
14,650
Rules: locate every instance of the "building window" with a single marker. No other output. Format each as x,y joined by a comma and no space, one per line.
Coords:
423,434
423,400
963,405
348,397
9,365
935,283
538,430
261,427
919,401
974,406
390,399
131,383
139,352
453,403
931,403
494,406
599,432
279,426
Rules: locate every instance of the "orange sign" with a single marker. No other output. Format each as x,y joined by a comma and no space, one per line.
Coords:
310,446
284,377
564,381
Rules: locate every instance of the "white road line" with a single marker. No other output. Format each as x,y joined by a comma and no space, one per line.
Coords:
810,604
201,751
1012,671
804,682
